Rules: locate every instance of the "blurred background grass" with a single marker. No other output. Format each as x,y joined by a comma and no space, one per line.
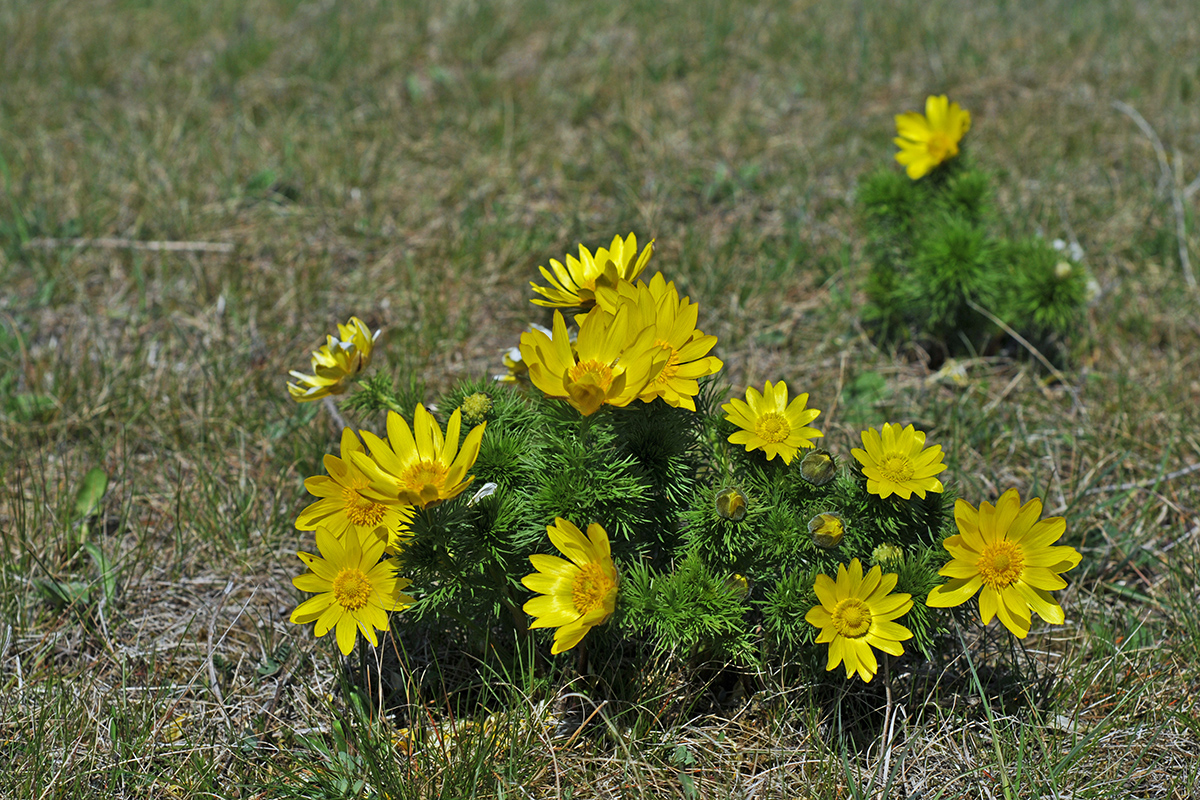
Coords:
413,163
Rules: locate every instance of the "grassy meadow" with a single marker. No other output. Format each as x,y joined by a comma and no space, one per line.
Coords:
413,163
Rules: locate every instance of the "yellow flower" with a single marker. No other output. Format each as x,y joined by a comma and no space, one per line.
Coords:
610,364
336,363
895,462
673,320
856,614
770,423
421,470
518,370
576,594
343,506
926,141
1006,551
355,589
574,285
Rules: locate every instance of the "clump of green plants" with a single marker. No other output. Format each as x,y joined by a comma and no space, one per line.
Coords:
600,489
940,272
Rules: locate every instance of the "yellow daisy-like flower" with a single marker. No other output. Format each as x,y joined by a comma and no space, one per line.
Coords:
926,141
574,285
343,505
896,463
673,320
336,363
355,589
1006,551
856,614
610,363
421,469
576,594
770,423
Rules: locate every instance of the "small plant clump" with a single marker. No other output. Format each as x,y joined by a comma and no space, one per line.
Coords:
939,270
602,490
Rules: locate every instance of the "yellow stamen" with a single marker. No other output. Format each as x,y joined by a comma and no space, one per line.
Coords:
589,588
896,468
359,510
852,617
351,588
1001,564
672,365
426,479
772,427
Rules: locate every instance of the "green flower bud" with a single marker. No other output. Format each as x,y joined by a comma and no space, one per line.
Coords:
827,530
731,504
475,408
818,467
887,554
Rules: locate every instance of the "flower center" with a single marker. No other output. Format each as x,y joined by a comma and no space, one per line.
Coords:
351,588
1001,564
672,365
591,372
772,427
852,617
896,468
425,479
361,511
590,587
940,147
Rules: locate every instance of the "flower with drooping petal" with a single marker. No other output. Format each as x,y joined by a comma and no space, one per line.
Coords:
610,363
336,363
855,614
926,141
355,589
1006,551
897,463
574,285
576,595
419,467
673,320
342,504
770,423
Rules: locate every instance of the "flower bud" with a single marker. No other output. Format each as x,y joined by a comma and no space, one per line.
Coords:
827,530
818,467
1062,270
731,504
887,553
737,584
475,407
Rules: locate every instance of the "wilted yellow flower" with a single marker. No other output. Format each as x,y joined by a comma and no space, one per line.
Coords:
855,614
574,285
419,470
577,594
355,589
896,463
673,320
1006,551
926,141
336,363
343,506
770,423
610,364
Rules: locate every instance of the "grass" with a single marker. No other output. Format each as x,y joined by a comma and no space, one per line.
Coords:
413,164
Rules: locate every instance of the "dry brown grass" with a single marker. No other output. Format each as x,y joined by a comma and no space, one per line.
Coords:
413,164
